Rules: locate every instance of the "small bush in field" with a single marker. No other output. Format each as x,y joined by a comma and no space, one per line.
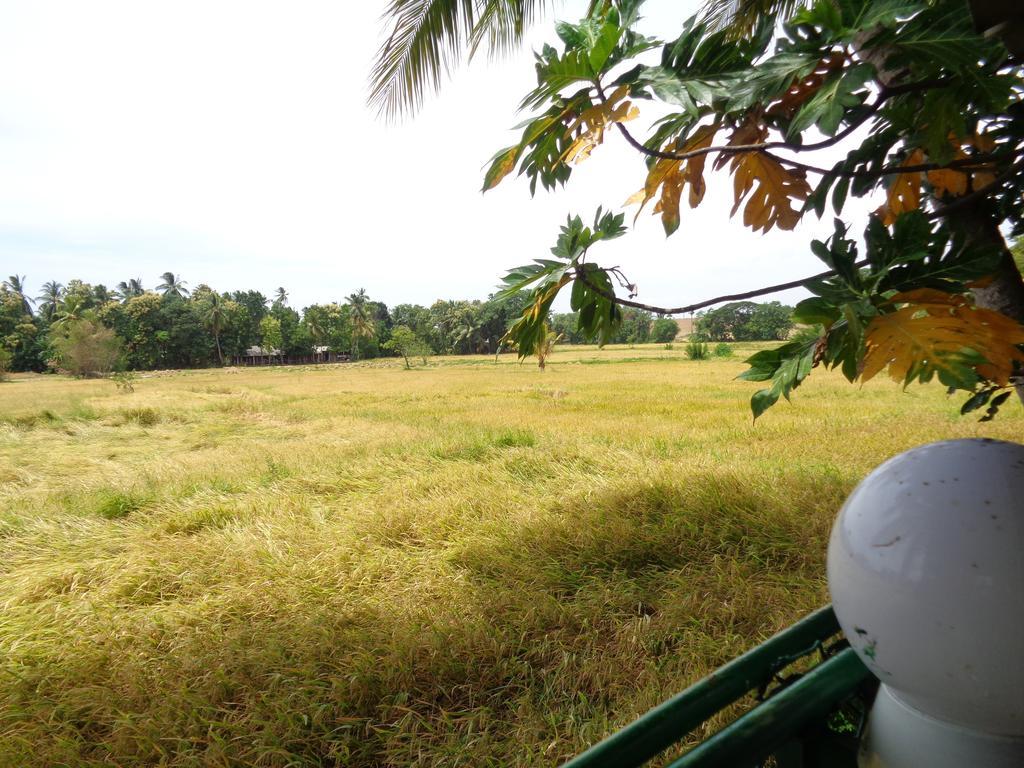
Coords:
723,350
124,381
698,350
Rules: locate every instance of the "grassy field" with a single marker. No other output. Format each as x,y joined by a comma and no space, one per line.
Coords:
468,563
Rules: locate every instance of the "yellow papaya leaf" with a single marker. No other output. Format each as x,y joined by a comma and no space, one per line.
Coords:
746,133
770,187
640,196
949,182
672,175
941,333
905,192
591,124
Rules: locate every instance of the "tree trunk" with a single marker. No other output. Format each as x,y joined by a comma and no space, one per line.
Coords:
1005,291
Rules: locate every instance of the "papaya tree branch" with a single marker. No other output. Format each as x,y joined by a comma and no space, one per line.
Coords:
977,162
580,274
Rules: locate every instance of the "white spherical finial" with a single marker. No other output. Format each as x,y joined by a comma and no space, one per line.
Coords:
926,571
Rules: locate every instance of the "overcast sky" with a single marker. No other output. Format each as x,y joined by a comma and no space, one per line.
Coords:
230,142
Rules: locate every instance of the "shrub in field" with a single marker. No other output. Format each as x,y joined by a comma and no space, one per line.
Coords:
698,350
723,350
124,381
144,417
5,363
86,349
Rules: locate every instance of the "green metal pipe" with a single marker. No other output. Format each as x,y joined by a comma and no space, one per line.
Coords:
767,727
672,720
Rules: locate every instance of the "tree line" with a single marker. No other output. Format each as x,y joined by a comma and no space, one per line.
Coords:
85,328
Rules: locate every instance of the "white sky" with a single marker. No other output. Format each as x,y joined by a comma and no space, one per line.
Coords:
230,142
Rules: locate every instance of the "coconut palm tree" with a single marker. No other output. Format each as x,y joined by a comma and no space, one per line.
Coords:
16,285
466,329
102,294
49,299
317,331
361,316
215,317
172,285
130,288
71,309
281,297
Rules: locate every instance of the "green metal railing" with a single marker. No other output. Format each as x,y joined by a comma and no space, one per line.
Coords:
797,722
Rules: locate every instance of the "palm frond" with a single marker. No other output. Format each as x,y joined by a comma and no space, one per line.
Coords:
429,37
740,17
502,24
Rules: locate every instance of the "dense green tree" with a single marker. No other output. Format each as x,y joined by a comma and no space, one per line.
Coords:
635,327
20,332
80,294
236,335
495,317
406,343
414,317
295,340
270,335
745,321
327,326
139,322
185,341
565,324
771,320
664,330
255,304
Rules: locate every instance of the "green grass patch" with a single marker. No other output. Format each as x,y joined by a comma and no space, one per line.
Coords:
114,505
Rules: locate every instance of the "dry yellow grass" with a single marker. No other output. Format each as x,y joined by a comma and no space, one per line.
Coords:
465,564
